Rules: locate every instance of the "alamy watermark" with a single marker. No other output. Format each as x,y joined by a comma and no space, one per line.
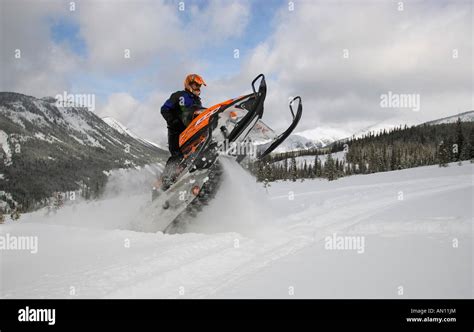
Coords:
246,148
401,100
13,242
336,242
76,100
37,315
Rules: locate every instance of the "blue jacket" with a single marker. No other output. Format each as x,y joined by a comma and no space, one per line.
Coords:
179,109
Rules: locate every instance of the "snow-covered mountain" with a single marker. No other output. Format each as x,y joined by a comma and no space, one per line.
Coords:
465,117
323,136
308,139
296,142
45,148
125,131
391,124
376,128
394,123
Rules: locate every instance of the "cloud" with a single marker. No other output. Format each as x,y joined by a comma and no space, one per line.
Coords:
121,36
409,51
406,51
155,31
43,67
219,20
141,117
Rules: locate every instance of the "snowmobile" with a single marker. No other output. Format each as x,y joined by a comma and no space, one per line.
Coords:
216,131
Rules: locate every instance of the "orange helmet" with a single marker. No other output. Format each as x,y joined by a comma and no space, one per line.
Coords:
193,83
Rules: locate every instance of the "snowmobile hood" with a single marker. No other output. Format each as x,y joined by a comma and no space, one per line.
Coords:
202,120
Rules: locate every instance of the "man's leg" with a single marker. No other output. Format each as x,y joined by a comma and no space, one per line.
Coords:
174,159
173,145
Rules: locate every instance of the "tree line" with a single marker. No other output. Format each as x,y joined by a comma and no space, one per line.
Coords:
387,150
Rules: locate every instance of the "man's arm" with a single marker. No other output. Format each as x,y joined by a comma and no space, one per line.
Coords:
168,110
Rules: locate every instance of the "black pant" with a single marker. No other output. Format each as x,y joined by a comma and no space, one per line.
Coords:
174,130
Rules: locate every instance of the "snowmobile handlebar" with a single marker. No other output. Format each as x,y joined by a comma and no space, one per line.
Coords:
262,86
280,138
300,107
255,112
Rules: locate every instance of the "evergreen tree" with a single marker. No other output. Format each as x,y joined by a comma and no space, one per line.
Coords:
317,167
293,169
459,139
330,168
285,169
444,156
267,175
15,215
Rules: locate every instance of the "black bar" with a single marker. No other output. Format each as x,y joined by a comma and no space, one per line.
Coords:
141,313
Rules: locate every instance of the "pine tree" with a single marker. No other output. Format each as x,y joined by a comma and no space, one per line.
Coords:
444,156
285,169
58,201
293,169
329,168
267,174
468,148
459,139
317,167
15,215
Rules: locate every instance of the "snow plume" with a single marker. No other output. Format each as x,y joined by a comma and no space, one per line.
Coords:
240,206
124,182
126,193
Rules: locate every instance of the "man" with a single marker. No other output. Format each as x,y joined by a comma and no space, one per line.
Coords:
178,111
180,108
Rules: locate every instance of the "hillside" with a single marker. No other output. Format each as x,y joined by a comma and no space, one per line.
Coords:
46,149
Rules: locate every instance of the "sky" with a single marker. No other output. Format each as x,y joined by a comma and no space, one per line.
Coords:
341,57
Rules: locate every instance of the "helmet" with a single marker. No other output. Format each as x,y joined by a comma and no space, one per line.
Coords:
193,83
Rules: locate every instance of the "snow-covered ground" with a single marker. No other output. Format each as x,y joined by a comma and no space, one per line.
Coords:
411,233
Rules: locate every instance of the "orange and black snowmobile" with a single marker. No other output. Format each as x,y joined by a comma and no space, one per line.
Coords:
233,129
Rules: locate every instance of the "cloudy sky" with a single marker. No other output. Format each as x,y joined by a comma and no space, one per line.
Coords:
340,56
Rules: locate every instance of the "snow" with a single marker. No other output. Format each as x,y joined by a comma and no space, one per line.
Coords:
117,126
295,142
324,135
340,155
21,113
465,117
377,128
5,145
125,131
40,136
49,138
250,244
72,118
77,139
12,115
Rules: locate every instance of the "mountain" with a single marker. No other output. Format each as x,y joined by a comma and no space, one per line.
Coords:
125,131
46,149
376,128
391,124
311,139
296,142
465,117
323,136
